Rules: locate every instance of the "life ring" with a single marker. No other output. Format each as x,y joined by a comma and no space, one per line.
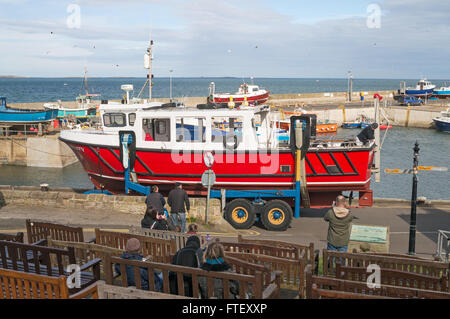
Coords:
227,139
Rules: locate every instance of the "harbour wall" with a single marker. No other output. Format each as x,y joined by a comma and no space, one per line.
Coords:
397,115
67,198
42,151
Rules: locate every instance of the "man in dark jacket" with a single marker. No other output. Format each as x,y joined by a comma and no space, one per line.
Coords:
367,134
133,248
189,256
156,200
178,201
339,219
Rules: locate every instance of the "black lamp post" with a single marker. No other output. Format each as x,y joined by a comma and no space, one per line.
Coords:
412,225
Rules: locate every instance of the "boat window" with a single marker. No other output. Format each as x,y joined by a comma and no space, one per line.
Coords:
114,120
131,119
255,89
226,126
191,129
156,130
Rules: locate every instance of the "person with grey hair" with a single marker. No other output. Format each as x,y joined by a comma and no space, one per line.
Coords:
339,218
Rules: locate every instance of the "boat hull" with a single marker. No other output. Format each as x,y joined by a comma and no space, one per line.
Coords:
420,93
442,125
252,99
26,117
327,171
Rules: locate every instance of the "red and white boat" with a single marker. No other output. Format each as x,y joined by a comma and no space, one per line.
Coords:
251,93
170,144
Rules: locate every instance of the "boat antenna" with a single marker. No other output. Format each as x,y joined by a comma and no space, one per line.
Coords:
84,83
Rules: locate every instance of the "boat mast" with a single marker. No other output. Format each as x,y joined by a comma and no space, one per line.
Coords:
148,57
85,82
149,76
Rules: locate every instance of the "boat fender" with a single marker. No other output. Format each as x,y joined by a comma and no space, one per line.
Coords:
131,148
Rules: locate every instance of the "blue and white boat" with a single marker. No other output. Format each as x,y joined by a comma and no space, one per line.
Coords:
424,88
86,108
19,116
442,93
443,122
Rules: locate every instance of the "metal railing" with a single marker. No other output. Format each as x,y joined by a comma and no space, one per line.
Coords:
443,245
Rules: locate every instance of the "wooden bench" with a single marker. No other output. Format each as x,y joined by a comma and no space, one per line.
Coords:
418,266
159,249
240,266
18,238
249,285
20,285
308,251
258,249
37,230
180,238
336,286
86,252
106,291
292,271
394,278
46,261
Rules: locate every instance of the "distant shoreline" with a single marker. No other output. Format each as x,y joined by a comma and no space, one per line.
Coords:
13,77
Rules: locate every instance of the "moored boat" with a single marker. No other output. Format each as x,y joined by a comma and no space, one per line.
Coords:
250,93
22,116
424,88
443,122
442,93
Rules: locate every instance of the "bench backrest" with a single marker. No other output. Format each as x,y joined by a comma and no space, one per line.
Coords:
317,293
10,237
281,252
241,266
394,278
292,271
20,285
180,238
308,251
106,291
419,266
245,281
341,285
33,258
37,230
159,249
85,252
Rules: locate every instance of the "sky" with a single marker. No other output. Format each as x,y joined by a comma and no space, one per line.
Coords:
398,39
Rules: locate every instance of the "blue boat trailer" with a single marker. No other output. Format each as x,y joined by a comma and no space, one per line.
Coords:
268,205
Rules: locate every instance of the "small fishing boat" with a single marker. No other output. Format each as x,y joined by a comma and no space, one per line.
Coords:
86,107
424,88
360,122
442,93
250,93
21,116
443,122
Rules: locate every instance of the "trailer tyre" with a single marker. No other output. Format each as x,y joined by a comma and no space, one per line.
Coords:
240,214
277,215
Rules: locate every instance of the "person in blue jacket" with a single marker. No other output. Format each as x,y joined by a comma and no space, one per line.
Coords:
133,249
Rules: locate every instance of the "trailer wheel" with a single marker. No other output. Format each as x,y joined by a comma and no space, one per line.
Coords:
277,215
240,214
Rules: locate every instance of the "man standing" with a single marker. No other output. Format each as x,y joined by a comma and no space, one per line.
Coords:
367,134
339,219
155,200
177,201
